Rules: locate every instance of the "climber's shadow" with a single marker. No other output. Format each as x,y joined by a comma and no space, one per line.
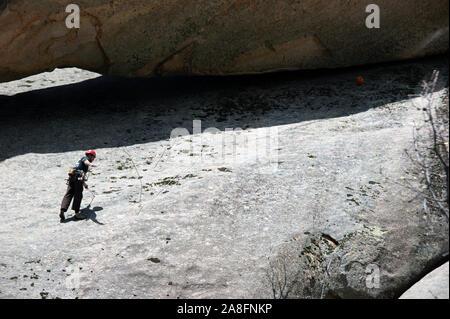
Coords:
87,213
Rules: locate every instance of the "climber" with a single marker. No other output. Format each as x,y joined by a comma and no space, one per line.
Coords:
76,182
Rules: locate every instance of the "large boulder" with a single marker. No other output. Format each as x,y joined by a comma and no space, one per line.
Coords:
435,285
148,38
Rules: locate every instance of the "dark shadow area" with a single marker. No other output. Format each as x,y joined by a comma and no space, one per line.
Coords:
87,213
113,112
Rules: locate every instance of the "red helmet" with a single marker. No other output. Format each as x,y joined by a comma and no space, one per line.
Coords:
91,152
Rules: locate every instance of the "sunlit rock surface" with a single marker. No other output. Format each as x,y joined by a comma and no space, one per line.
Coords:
188,217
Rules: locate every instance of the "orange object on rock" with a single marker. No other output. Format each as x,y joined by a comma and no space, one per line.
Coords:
359,80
